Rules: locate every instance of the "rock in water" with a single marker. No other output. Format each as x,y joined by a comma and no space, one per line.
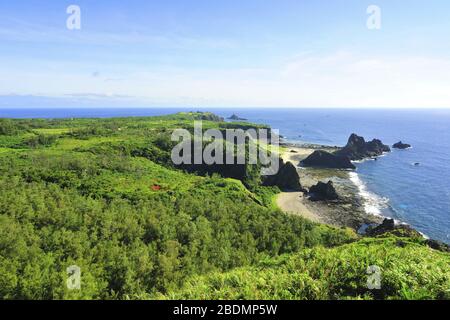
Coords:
236,118
323,191
323,159
357,148
287,178
401,145
377,147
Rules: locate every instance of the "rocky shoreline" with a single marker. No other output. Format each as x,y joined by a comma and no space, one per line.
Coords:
324,172
345,211
330,196
328,193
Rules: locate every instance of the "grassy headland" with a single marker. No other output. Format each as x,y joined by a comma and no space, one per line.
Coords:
104,195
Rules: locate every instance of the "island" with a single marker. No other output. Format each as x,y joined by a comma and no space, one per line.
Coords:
401,145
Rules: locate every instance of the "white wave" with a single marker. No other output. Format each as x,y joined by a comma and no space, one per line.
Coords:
384,154
423,235
373,204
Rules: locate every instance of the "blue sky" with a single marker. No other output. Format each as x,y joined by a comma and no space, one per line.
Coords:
248,53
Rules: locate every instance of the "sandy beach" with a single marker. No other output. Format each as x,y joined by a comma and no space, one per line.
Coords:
348,211
294,203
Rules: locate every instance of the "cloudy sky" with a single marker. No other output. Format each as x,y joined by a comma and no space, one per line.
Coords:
225,53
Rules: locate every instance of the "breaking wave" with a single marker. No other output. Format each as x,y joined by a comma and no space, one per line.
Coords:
373,203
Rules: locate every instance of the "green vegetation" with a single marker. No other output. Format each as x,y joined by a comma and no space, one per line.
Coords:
103,194
408,271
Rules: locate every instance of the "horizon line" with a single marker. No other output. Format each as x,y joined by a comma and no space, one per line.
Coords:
219,107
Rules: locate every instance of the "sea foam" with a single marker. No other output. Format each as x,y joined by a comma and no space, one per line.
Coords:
373,203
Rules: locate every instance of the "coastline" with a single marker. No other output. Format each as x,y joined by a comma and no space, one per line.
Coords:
354,208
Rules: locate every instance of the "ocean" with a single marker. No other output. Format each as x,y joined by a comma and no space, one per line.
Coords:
393,186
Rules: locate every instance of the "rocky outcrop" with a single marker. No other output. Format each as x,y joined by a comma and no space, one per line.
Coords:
236,118
401,145
403,230
287,178
357,148
323,192
389,226
323,159
206,116
437,245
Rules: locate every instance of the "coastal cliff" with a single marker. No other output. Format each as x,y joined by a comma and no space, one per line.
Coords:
287,178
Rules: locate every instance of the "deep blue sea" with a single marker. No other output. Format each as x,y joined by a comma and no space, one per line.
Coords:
392,186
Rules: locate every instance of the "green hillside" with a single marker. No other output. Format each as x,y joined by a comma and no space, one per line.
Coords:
408,271
103,194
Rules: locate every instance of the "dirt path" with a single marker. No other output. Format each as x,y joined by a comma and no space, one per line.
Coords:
292,202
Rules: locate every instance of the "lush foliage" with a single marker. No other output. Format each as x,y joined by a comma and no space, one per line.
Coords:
409,270
102,194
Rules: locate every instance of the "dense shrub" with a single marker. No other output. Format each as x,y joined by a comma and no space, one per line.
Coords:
40,140
409,271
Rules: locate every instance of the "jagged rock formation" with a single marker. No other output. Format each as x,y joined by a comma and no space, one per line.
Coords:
438,245
357,148
389,225
236,118
401,145
323,159
323,192
287,178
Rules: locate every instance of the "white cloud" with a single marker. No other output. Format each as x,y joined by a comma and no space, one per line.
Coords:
342,79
